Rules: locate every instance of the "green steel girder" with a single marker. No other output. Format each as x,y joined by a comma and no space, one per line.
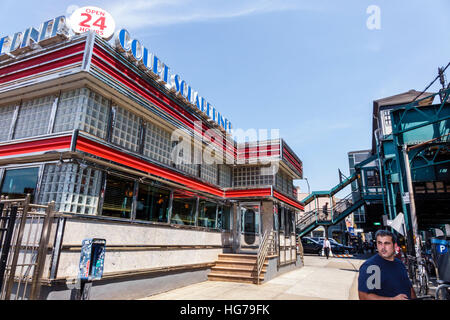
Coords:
413,124
428,154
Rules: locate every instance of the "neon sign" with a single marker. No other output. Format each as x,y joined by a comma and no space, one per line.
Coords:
153,66
21,40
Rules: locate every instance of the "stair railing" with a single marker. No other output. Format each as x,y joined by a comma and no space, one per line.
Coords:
262,252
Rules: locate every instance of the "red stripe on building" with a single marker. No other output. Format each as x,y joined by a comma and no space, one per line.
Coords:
42,59
283,198
43,68
104,152
265,192
133,81
292,160
35,146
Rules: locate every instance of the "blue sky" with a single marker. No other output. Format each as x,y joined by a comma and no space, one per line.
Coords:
308,68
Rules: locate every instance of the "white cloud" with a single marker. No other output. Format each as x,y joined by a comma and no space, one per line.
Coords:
144,13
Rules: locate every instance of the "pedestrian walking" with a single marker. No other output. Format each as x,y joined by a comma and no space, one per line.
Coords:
326,247
384,277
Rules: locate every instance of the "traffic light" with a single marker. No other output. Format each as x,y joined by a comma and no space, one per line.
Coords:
377,223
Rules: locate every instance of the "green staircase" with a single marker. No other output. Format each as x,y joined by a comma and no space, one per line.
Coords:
314,218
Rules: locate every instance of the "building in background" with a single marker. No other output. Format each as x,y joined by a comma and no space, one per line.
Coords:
406,170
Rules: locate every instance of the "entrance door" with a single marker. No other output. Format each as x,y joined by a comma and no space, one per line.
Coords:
250,227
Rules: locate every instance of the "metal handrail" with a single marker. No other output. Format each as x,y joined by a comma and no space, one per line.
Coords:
262,252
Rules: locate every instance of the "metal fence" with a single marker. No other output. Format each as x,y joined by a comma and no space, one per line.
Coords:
24,238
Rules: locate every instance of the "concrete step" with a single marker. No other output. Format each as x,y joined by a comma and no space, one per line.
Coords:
238,263
233,278
237,257
236,271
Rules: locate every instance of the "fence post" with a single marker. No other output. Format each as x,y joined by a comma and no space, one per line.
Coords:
17,246
42,252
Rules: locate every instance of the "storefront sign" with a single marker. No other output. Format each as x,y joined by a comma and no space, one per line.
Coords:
98,20
21,40
93,18
151,64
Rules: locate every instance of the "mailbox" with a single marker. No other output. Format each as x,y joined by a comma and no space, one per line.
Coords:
92,259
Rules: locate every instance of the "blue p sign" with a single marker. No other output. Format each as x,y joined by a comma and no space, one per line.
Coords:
441,248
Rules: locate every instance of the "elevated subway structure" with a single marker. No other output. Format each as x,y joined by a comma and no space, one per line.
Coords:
409,172
404,130
418,148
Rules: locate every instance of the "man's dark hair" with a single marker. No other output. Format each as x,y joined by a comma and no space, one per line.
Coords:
386,233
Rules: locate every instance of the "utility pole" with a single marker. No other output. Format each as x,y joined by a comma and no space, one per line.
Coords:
412,204
442,80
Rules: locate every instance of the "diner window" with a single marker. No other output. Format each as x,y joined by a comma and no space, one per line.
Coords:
281,218
17,183
73,188
33,119
118,197
152,203
183,208
207,214
276,215
224,217
289,220
82,109
6,116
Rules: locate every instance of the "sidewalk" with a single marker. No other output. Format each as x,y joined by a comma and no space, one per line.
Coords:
333,279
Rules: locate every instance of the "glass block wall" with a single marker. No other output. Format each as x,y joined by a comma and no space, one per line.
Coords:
6,116
209,172
284,183
74,189
157,145
191,169
90,112
33,119
225,179
125,130
250,176
82,109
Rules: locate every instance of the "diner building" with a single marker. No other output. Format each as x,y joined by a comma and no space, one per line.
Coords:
122,155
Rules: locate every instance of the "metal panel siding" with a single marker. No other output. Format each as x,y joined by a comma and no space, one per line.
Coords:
104,152
293,203
265,192
46,62
23,148
116,69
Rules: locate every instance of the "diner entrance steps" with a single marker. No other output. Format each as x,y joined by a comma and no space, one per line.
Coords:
236,267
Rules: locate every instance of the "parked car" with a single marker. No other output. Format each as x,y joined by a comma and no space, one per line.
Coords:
311,246
336,246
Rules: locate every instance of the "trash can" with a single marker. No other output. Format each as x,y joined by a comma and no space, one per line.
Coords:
441,255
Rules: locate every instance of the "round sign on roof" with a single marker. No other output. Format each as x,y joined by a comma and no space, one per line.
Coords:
95,19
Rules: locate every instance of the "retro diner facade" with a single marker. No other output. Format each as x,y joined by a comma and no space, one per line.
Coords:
84,126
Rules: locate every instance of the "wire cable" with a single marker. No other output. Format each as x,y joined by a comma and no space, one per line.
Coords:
431,83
